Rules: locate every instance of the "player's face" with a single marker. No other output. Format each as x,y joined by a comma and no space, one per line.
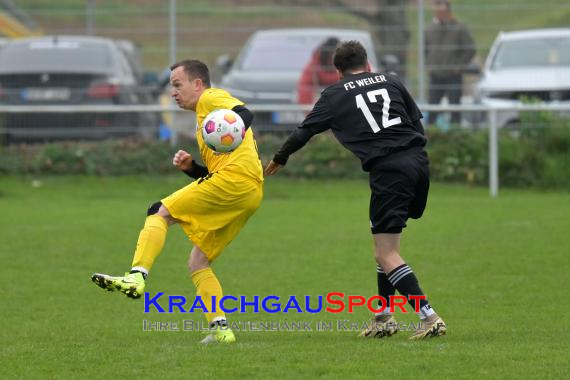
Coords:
185,91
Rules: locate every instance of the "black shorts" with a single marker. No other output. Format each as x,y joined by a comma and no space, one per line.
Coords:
399,185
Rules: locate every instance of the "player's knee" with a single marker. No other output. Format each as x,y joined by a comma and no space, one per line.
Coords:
380,258
153,209
197,260
194,266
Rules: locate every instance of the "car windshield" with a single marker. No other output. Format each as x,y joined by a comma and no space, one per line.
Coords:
279,53
539,52
56,56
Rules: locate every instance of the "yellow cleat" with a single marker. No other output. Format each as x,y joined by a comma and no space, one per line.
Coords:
381,326
220,335
132,284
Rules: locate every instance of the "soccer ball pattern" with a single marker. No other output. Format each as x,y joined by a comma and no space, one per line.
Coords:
223,130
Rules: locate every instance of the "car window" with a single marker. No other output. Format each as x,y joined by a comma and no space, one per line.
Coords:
56,55
538,52
279,53
282,52
124,65
129,51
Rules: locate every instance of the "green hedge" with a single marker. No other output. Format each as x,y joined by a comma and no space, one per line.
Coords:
528,157
538,157
94,158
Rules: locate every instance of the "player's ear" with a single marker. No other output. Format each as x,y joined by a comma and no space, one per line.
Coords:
368,67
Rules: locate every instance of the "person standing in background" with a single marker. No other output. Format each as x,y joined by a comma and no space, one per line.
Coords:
449,48
318,73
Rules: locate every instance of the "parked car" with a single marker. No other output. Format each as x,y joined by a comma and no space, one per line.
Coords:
267,69
526,66
71,70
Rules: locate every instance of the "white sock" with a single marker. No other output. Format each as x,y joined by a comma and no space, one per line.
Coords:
386,311
144,271
426,311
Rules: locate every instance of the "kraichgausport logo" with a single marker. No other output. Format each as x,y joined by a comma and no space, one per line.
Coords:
335,303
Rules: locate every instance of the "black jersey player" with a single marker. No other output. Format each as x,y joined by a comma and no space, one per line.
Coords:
374,116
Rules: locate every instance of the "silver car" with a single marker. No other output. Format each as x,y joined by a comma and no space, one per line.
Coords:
269,66
526,66
70,71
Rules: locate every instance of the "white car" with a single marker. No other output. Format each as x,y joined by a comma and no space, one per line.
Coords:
526,66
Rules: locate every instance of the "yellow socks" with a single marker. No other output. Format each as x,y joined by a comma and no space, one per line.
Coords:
207,285
150,243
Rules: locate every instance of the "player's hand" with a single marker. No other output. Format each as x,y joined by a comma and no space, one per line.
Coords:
182,160
272,168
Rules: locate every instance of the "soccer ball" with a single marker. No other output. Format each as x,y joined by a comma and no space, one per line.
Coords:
223,130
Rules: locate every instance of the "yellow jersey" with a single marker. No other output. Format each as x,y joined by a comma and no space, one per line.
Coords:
245,158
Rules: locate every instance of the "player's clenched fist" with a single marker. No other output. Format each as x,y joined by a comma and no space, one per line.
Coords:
182,160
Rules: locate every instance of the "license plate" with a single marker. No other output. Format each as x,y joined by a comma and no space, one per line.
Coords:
35,94
288,117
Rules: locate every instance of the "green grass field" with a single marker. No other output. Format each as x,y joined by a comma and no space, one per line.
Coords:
495,269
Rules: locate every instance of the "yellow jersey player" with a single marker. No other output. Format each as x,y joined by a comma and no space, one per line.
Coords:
211,210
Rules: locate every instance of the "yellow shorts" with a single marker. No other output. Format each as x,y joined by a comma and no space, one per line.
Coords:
213,209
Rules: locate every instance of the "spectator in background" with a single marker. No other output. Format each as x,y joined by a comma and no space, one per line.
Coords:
318,73
449,48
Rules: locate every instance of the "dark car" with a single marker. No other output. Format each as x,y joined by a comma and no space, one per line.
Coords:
71,71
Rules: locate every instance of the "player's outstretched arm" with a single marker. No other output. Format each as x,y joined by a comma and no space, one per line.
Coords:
296,141
317,121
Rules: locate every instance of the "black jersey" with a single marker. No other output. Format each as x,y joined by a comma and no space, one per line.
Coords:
371,114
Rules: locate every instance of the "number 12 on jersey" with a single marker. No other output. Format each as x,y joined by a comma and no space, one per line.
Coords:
386,121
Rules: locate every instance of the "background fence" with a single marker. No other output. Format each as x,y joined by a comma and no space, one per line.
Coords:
479,150
536,151
208,29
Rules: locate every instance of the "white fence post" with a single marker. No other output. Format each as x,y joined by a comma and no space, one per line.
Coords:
493,154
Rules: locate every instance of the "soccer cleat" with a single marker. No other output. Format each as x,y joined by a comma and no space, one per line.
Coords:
429,329
381,326
220,335
132,284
